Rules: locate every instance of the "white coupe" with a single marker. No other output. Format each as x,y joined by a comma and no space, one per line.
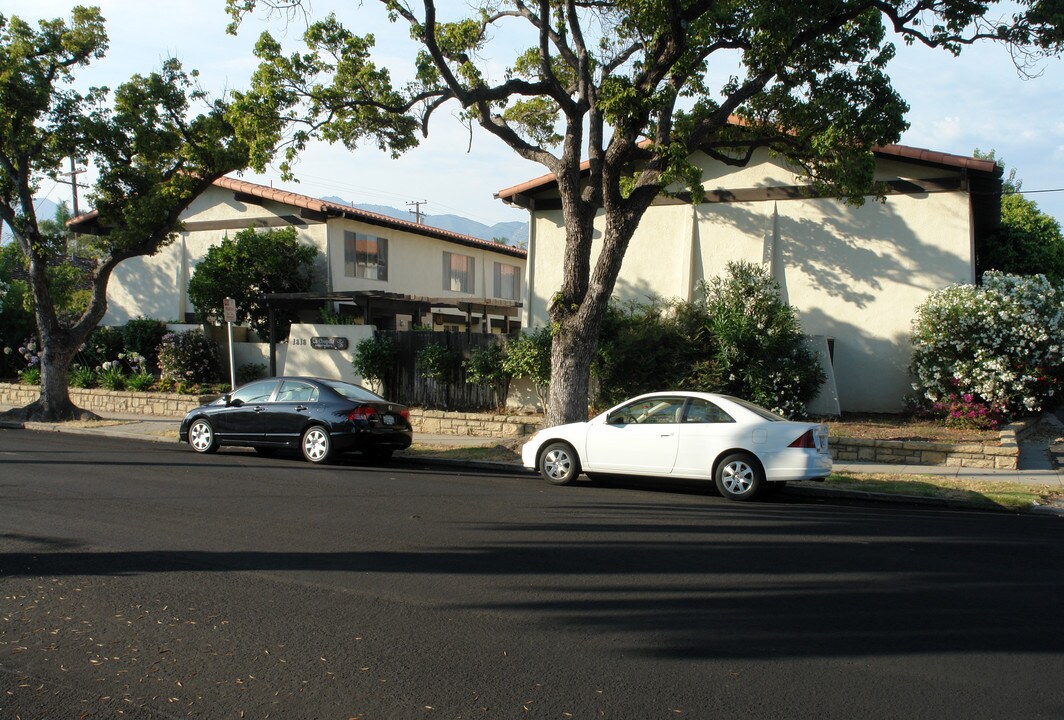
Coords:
744,448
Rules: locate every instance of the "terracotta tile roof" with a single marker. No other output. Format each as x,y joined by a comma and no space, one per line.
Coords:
331,208
903,152
939,158
326,207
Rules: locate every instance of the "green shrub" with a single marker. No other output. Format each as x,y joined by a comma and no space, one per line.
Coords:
103,344
141,382
486,366
528,356
645,347
740,339
435,362
112,375
80,376
250,371
760,353
143,335
375,359
189,358
989,350
30,376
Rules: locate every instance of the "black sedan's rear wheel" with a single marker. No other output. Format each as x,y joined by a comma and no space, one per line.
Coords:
559,464
201,437
316,444
739,477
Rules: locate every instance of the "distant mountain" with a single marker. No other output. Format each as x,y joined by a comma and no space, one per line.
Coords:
515,233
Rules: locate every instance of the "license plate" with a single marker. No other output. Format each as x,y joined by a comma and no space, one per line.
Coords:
389,419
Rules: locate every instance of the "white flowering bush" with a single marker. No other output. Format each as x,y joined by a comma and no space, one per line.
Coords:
989,353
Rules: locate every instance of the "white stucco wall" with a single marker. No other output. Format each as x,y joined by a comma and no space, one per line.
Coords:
415,263
856,274
156,286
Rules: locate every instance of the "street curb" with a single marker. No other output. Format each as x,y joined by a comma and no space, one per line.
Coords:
808,490
791,489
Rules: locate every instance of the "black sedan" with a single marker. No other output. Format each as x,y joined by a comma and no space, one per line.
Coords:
321,417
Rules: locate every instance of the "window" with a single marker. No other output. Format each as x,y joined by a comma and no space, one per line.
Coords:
256,392
703,411
458,273
365,256
293,391
507,282
652,411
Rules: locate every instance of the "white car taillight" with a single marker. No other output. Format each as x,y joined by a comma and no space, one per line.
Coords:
805,441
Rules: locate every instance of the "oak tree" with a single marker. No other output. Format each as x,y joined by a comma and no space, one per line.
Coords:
613,96
153,155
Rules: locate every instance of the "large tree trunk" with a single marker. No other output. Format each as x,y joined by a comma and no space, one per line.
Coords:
54,404
572,350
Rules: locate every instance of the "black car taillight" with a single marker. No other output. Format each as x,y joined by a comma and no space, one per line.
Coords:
364,413
805,441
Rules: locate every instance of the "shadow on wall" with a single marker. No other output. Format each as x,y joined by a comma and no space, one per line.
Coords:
871,372
850,253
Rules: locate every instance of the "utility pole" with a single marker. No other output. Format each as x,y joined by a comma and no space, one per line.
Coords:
74,185
416,212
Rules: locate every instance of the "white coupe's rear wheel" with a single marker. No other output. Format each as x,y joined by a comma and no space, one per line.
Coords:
739,477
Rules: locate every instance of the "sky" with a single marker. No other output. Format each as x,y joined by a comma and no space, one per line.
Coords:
957,104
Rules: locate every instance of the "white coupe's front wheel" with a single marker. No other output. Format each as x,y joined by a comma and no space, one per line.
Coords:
558,464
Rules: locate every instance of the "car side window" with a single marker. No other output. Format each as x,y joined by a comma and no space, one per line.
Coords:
256,392
293,391
703,411
653,411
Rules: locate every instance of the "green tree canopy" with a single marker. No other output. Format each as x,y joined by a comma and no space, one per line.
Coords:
152,151
1028,241
247,267
614,96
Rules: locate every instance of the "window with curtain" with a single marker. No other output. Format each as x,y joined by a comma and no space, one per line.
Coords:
458,273
507,282
365,256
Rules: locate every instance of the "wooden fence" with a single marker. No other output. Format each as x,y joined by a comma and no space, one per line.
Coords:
453,393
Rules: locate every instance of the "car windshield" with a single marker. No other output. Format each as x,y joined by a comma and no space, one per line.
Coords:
757,410
353,392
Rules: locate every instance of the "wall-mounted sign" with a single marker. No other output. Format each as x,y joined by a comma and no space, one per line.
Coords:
329,343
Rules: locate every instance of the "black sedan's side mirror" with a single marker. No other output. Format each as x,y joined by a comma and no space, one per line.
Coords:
230,401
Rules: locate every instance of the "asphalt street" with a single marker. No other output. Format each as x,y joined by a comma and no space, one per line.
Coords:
141,580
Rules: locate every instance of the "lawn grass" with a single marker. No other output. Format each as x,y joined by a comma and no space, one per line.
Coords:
485,453
1015,497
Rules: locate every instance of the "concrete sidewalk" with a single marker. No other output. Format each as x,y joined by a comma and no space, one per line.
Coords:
1040,468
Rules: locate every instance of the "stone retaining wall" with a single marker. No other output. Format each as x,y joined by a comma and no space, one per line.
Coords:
475,424
1003,456
96,400
895,452
171,405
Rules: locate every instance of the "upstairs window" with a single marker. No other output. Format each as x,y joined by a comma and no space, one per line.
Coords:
458,273
365,256
507,282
